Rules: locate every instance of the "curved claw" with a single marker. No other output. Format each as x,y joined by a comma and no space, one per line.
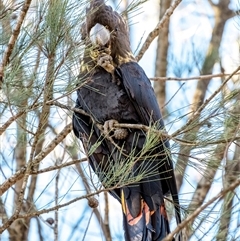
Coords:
108,126
119,133
106,62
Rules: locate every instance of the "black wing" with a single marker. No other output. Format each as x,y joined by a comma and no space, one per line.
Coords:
134,100
141,94
89,134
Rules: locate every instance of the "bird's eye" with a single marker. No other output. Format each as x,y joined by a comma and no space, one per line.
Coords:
116,29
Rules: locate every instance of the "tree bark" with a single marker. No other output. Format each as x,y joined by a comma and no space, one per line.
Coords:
221,14
161,58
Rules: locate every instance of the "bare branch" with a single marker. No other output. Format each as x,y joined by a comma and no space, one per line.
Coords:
184,223
13,38
201,77
232,169
19,174
56,203
157,29
199,110
10,121
106,218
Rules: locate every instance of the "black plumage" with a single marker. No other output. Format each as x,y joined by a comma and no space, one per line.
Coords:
124,96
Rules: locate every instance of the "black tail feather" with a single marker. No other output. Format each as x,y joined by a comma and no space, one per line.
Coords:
147,225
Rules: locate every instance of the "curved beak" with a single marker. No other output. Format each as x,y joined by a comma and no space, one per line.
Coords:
99,35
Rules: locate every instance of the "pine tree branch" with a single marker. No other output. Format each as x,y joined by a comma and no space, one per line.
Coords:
197,211
36,160
230,131
13,38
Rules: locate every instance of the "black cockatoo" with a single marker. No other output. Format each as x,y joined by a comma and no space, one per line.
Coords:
117,90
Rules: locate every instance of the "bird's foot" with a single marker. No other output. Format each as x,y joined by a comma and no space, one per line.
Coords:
106,62
118,133
94,53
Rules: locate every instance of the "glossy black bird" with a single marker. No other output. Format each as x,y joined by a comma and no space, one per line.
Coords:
114,89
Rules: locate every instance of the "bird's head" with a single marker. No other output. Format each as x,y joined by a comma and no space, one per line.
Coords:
107,29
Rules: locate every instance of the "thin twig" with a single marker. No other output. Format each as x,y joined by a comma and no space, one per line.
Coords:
10,121
59,206
200,77
52,168
200,209
19,174
56,203
106,218
37,213
13,38
27,169
206,102
85,232
157,29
